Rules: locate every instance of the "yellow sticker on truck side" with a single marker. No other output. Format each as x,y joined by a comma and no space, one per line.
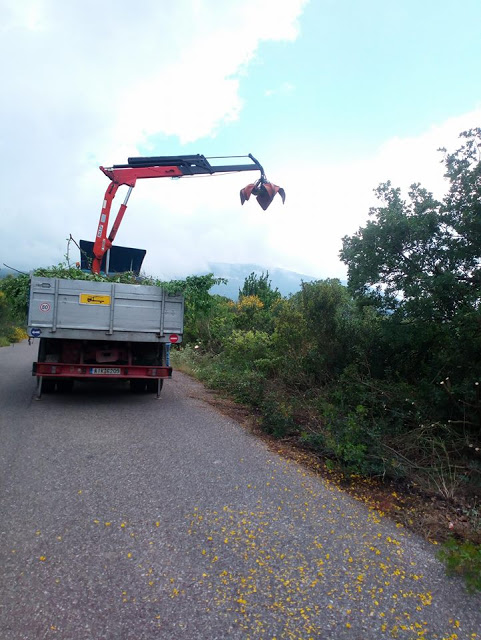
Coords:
91,298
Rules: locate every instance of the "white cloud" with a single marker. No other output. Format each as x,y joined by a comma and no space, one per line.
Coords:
85,84
199,89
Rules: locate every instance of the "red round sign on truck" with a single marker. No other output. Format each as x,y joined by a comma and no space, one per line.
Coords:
174,338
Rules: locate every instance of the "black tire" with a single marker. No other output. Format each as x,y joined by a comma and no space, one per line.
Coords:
48,386
152,386
137,385
64,386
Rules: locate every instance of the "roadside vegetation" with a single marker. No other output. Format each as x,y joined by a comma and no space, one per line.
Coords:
12,323
379,379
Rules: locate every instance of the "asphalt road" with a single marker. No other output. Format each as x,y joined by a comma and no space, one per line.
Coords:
127,517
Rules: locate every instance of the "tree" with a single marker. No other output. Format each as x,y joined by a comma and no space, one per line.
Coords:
420,258
199,304
332,324
261,287
418,261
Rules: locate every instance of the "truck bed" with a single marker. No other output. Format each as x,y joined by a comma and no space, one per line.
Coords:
108,311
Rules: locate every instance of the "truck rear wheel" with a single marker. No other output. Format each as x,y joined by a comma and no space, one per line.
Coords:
64,386
48,386
137,385
152,386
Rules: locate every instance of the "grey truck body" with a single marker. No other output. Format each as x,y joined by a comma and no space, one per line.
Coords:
106,311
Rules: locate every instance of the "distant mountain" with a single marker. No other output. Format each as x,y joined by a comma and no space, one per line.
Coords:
287,282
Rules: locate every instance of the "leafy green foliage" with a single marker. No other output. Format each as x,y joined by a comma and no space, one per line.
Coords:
421,258
464,559
278,414
15,289
418,262
329,313
399,259
200,307
248,348
13,293
261,287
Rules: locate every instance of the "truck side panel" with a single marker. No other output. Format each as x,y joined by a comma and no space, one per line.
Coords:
88,310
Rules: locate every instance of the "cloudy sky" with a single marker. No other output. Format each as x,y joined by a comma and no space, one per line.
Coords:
332,97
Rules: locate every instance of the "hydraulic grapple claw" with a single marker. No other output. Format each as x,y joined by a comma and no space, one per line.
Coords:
264,192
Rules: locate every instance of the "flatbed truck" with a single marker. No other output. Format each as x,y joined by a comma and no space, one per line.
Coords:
102,330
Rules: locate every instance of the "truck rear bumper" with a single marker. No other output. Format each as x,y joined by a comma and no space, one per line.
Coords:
82,371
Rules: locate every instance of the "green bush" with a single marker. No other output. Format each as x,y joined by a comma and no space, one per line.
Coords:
346,436
246,348
246,386
277,414
11,311
463,559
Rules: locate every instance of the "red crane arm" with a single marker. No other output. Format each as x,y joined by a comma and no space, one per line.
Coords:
166,167
121,176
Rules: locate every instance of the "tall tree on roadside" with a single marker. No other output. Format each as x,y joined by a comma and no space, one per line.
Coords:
420,258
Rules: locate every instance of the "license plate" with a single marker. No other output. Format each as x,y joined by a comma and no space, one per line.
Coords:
109,371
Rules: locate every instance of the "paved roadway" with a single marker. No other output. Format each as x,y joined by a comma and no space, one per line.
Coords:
126,517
